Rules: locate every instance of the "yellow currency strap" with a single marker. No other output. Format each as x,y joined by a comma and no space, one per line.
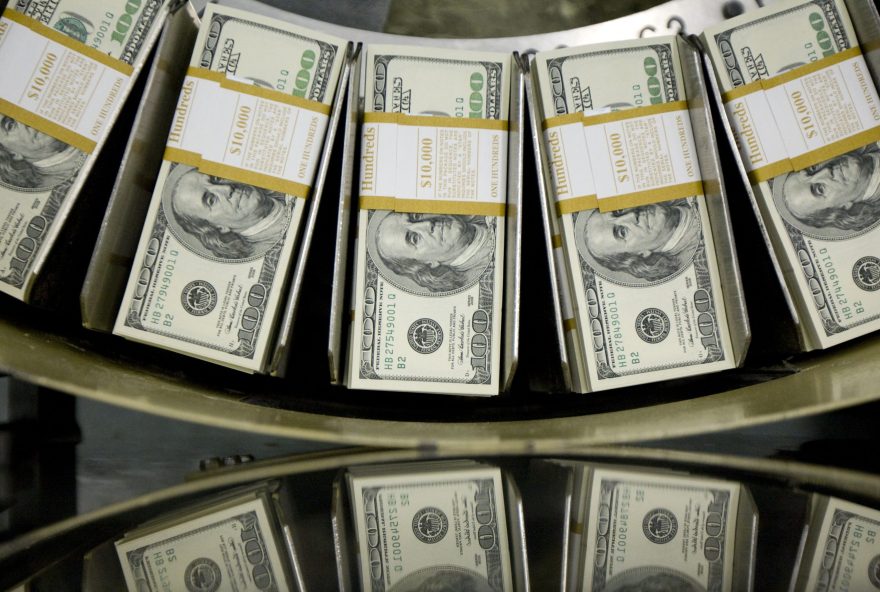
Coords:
627,200
68,42
239,174
39,123
232,173
433,206
253,90
827,152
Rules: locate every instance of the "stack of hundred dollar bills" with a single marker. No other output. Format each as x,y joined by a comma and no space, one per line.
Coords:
211,269
634,530
645,290
431,526
231,543
841,549
812,151
59,51
430,243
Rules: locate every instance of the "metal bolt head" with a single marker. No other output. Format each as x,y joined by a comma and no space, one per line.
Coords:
732,8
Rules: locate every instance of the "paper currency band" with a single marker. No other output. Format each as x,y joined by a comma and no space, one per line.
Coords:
257,91
793,74
233,173
39,123
50,128
577,204
68,42
630,200
827,152
625,200
622,115
652,196
569,324
432,121
431,206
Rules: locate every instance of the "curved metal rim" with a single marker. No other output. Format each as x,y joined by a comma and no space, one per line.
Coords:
795,474
833,380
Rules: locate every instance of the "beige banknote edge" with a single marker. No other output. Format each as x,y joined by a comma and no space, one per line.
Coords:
40,257
659,478
354,381
573,262
355,484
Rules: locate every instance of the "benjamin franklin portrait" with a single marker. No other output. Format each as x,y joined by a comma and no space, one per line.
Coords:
641,245
222,219
431,253
33,161
836,198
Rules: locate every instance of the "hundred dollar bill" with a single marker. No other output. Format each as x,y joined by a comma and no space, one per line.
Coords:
427,307
431,529
39,173
844,549
659,532
214,255
232,548
644,279
823,220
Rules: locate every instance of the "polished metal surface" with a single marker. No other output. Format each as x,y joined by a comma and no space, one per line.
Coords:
677,16
513,231
60,547
835,379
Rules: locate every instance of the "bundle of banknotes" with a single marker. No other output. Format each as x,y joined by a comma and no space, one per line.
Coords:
427,289
211,269
629,529
841,549
441,525
632,237
804,112
68,66
233,542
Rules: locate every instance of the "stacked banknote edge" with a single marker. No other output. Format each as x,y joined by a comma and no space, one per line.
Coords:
839,548
447,523
52,141
649,510
640,286
234,539
816,194
210,277
429,259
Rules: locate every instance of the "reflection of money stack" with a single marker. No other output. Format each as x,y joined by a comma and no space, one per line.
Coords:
634,228
657,531
211,267
803,108
428,282
232,543
432,526
841,550
77,60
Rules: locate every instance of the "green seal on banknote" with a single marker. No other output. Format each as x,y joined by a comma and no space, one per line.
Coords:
72,27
